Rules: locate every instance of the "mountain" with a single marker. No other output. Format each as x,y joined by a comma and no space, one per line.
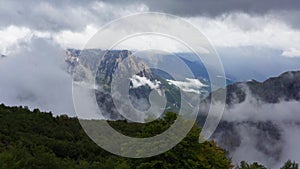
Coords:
258,118
200,72
103,64
88,59
140,87
113,59
284,87
197,68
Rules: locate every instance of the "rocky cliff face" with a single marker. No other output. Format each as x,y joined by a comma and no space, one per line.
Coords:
113,59
103,64
105,72
88,59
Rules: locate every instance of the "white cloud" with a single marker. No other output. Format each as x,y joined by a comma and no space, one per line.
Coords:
35,76
190,85
62,15
292,52
228,30
240,29
72,24
76,40
138,81
268,132
11,35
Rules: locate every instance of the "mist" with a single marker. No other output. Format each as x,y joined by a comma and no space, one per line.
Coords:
34,75
255,131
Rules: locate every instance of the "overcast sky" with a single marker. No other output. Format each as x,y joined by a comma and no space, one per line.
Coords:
255,39
228,23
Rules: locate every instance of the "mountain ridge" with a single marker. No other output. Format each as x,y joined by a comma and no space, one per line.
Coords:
258,111
287,83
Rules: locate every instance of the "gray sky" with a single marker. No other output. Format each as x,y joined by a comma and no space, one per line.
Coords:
228,23
55,15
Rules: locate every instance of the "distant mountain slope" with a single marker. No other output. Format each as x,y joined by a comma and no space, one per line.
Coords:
258,118
284,87
103,65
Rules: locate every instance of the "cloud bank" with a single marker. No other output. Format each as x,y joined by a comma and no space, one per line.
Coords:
269,133
35,76
190,85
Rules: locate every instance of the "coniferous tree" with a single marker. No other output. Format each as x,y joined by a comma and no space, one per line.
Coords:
290,165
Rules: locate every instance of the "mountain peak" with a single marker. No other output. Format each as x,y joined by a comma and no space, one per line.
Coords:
283,87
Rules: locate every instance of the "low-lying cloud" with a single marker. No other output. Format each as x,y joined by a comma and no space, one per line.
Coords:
34,76
190,85
256,131
138,81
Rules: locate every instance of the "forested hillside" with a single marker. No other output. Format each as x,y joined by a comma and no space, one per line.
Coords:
34,139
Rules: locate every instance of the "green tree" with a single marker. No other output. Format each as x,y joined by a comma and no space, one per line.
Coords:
245,165
290,165
37,140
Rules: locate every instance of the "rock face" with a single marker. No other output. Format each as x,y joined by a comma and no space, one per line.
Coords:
88,59
106,69
100,65
103,64
113,59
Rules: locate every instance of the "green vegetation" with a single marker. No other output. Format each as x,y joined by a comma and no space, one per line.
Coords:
245,165
34,139
290,165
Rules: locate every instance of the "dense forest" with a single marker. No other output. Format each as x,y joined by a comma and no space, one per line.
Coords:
38,140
